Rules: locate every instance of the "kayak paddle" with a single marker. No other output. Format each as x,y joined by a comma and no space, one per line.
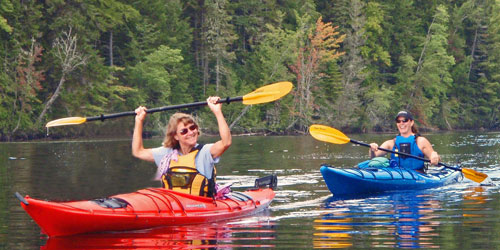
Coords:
332,135
263,94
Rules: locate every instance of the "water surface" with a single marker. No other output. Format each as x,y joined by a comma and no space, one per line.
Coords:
304,214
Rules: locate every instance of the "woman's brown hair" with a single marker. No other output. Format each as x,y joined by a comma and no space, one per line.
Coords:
171,129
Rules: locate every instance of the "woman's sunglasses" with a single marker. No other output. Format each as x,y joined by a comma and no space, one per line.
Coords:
400,121
185,130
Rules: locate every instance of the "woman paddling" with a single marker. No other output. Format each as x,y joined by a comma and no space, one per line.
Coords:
183,164
408,141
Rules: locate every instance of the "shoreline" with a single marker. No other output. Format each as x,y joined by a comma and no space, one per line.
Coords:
151,135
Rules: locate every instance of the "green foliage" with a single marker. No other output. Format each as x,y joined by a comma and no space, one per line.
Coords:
155,75
431,80
270,63
5,7
438,59
373,49
273,54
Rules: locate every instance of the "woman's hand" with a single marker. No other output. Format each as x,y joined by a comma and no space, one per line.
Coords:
140,114
213,105
373,147
434,158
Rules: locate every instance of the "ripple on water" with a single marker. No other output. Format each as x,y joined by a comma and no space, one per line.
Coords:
246,181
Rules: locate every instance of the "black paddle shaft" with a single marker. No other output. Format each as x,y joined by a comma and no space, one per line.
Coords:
405,154
153,110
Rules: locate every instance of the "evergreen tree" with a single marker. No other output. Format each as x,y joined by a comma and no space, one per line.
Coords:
348,105
162,23
475,88
6,7
487,71
269,63
72,88
377,98
156,76
21,67
218,36
432,77
438,59
459,23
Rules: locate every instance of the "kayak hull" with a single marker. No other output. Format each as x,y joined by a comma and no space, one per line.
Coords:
353,181
146,208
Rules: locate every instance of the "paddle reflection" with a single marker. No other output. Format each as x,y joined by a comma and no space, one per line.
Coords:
333,233
397,220
474,199
211,236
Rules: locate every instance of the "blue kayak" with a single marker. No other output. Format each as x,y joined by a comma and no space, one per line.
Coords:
352,181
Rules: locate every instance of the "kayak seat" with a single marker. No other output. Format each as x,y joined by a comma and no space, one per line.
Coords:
111,203
270,181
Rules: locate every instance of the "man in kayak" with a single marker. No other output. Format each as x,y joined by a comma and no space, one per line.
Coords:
408,141
183,164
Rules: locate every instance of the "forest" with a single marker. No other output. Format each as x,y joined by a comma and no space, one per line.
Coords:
353,63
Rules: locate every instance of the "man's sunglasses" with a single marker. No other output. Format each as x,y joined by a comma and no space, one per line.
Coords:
400,121
185,130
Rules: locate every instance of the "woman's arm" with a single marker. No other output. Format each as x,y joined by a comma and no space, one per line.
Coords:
225,134
374,152
138,149
426,148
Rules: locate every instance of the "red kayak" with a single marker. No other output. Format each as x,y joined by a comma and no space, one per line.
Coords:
146,208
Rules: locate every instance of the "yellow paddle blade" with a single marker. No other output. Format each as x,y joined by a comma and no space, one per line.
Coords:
328,134
66,121
268,93
474,175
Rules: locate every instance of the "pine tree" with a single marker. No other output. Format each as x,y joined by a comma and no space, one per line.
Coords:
348,105
6,6
377,98
219,36
432,77
487,71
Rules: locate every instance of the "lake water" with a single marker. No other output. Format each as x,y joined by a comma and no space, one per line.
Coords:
304,214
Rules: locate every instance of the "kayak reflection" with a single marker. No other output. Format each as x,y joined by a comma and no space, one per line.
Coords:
395,220
240,234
